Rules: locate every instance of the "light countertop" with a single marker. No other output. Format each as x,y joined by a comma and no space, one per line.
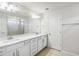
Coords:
18,38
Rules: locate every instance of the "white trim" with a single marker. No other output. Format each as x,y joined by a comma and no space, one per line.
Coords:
69,53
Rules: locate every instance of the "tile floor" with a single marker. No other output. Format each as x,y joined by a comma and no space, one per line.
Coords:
50,52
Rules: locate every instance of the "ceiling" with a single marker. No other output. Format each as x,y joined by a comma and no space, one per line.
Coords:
41,6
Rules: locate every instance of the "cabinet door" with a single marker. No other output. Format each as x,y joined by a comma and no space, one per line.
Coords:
10,53
12,50
14,46
40,44
34,46
25,50
44,41
2,51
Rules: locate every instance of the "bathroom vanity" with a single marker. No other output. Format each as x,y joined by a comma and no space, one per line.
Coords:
16,38
23,45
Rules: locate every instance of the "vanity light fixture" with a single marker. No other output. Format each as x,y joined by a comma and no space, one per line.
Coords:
8,7
12,8
35,16
3,5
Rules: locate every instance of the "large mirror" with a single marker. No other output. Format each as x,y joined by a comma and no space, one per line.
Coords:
15,25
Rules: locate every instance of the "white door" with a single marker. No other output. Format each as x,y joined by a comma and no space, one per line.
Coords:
71,38
54,40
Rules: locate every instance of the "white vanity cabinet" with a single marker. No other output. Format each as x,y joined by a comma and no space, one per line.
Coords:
12,50
2,51
42,42
10,53
25,50
34,46
29,47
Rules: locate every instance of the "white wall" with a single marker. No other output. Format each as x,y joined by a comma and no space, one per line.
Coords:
39,25
34,26
44,23
69,41
70,32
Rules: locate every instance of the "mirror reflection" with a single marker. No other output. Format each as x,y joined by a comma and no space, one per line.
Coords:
15,25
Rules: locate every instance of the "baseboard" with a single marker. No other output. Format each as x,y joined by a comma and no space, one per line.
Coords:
54,49
69,53
65,52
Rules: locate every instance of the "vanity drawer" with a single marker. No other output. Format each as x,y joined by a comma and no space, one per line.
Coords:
34,44
2,51
33,40
27,42
15,46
